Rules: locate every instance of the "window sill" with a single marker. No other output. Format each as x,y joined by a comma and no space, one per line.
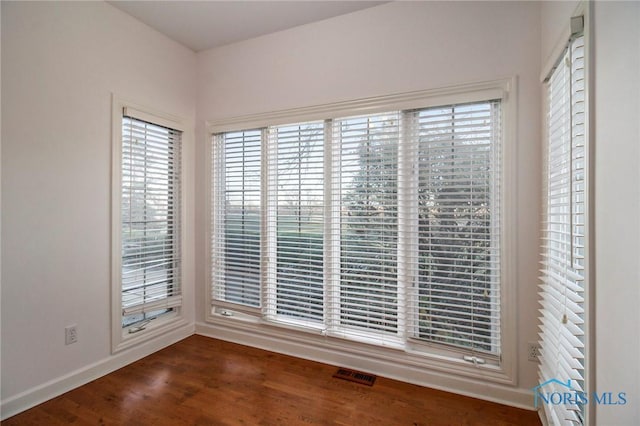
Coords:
122,339
308,345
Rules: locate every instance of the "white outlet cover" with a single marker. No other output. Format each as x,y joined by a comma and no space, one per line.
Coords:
70,334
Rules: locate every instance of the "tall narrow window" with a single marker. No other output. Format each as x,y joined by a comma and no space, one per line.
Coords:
563,264
149,220
237,220
457,298
297,193
366,184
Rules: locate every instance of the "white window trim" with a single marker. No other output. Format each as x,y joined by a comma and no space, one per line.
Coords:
411,100
120,337
504,89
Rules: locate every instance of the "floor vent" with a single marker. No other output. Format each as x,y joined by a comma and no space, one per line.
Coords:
355,376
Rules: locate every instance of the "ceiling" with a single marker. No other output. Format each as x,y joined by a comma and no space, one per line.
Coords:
201,25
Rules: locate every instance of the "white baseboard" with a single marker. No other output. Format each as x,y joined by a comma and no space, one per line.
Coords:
39,394
502,394
516,397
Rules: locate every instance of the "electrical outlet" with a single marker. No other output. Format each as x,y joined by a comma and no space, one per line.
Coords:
533,351
70,334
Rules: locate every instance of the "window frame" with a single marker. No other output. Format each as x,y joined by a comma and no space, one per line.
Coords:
423,354
121,338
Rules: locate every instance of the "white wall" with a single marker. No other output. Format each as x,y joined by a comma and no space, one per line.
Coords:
554,18
615,34
393,48
60,63
617,185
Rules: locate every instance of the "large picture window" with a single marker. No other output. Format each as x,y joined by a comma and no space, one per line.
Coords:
382,228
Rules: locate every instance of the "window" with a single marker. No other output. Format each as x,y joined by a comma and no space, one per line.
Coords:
147,223
564,234
458,293
365,177
237,161
383,228
295,290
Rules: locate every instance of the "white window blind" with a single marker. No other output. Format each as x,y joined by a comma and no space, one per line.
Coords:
563,251
150,220
236,218
381,228
365,180
296,223
457,297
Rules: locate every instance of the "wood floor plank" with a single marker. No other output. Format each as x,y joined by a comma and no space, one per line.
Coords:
203,381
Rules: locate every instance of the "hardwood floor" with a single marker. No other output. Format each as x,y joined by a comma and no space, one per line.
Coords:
203,381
